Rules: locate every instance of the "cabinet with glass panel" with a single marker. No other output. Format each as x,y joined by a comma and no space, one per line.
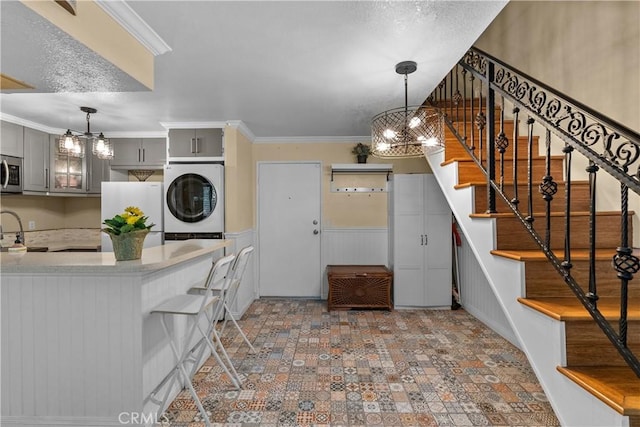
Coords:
68,172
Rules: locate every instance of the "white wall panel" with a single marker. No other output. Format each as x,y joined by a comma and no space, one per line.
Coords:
353,246
476,295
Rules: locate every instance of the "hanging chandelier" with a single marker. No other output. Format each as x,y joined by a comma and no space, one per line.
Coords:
409,131
74,146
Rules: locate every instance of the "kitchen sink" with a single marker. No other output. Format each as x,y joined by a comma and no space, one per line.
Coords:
29,249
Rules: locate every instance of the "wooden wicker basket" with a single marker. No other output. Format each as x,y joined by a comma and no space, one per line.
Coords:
359,286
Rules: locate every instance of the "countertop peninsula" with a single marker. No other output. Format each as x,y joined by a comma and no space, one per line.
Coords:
80,342
153,259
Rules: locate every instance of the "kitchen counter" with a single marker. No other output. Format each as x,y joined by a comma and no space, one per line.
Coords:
79,345
153,259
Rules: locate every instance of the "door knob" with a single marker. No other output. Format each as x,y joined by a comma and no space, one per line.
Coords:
315,231
315,222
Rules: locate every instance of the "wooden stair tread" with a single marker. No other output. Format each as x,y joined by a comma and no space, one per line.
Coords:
541,214
569,308
470,160
509,184
538,255
618,387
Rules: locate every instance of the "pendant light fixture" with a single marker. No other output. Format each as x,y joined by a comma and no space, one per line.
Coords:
409,131
70,144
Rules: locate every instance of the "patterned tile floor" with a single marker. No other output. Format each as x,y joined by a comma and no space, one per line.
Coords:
366,368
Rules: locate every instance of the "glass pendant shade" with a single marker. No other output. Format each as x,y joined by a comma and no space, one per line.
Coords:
71,145
102,147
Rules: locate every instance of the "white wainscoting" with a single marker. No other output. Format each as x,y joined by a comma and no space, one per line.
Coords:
248,290
353,246
477,297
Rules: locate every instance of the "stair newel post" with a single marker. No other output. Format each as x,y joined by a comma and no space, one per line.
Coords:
566,264
529,218
515,201
502,142
624,262
592,295
548,187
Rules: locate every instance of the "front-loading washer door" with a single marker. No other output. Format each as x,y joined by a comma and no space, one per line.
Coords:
191,198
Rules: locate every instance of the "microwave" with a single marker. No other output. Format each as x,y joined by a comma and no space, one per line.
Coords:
11,171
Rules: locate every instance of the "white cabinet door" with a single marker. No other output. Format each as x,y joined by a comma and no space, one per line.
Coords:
421,234
36,161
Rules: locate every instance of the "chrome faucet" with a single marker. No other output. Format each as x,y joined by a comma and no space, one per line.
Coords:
21,233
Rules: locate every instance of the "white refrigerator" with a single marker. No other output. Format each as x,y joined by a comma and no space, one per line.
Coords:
148,196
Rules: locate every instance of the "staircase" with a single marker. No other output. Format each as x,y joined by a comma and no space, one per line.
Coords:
525,257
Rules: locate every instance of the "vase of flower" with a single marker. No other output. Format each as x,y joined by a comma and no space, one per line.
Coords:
128,246
127,232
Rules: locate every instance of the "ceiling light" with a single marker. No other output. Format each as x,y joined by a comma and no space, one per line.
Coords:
409,131
70,144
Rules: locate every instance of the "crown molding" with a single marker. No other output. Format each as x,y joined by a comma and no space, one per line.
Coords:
122,13
312,139
242,127
28,123
193,125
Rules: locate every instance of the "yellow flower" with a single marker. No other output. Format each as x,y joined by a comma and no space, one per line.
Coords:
134,211
132,219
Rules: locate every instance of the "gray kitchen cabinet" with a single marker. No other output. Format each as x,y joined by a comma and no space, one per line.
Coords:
196,143
67,173
36,161
11,142
139,153
98,171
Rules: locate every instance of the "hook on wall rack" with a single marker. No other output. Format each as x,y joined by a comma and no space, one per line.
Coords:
360,168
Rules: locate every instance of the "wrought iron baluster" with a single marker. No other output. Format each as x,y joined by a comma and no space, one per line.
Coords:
529,218
451,93
515,200
481,121
457,97
502,142
548,187
491,137
625,263
464,108
568,151
473,144
592,295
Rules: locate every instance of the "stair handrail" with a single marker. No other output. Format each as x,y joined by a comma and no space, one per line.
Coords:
607,144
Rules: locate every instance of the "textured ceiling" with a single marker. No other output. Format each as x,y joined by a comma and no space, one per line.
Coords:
286,69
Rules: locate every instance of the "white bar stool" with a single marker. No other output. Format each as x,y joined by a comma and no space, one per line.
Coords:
196,306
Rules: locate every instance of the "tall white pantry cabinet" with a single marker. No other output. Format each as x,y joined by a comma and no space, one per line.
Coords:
420,241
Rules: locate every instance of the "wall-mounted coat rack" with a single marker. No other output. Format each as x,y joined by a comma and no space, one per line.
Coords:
360,169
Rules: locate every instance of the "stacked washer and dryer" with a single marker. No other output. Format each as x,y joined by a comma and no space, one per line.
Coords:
194,201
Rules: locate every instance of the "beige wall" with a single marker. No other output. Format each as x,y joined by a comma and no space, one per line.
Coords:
51,213
588,50
239,181
341,209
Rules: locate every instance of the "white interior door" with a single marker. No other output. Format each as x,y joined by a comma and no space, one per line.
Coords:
289,196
